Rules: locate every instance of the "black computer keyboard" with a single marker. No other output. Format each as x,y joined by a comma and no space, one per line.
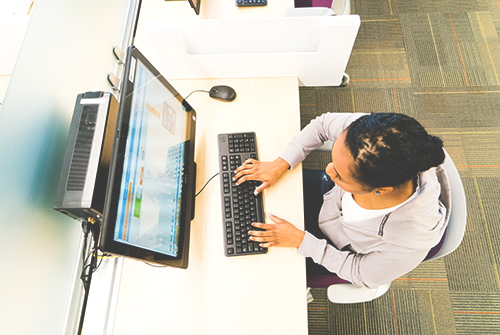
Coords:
240,206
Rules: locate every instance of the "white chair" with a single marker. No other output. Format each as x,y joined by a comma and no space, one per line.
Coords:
348,293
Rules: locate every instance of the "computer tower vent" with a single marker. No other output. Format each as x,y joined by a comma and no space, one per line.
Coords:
84,172
83,145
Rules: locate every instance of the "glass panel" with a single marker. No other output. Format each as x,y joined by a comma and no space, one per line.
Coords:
67,50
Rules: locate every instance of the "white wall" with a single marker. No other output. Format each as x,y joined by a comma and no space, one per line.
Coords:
67,50
14,18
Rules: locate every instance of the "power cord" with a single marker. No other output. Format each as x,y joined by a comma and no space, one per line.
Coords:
91,230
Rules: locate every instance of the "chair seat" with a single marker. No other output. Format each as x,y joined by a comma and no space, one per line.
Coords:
350,294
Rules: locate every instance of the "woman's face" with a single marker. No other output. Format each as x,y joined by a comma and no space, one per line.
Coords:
341,166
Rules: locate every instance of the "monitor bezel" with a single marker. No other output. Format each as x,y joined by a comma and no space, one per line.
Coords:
107,242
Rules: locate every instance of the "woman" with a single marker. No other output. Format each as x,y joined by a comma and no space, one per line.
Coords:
390,204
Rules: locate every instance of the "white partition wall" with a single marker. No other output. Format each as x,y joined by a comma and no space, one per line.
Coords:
315,49
67,50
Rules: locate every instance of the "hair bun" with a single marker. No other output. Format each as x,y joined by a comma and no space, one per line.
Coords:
434,155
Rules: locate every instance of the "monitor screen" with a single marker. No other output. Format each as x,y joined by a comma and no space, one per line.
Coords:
150,196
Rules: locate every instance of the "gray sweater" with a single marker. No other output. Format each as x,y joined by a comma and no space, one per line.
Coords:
372,252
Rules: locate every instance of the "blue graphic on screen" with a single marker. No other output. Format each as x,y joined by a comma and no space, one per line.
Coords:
149,208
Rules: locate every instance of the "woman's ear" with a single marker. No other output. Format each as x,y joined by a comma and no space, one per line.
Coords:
383,190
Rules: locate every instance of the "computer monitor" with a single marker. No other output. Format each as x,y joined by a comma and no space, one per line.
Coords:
150,194
195,4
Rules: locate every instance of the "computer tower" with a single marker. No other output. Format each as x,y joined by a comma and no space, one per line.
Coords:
84,173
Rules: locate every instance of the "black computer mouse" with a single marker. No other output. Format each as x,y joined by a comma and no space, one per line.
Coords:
222,92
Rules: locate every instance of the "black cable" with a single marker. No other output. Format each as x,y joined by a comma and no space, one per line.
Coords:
154,265
196,91
187,107
85,238
93,228
215,175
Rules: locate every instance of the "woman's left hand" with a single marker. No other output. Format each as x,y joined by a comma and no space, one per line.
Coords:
281,233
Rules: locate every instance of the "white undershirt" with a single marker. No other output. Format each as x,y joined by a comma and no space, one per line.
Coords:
352,212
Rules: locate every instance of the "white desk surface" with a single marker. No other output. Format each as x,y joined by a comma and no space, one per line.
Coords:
216,294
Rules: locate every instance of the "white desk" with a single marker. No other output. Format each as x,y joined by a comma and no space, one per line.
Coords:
217,294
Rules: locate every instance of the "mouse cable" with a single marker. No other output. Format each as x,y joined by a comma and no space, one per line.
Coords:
215,175
196,91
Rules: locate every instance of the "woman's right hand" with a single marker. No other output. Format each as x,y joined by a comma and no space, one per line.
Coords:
267,172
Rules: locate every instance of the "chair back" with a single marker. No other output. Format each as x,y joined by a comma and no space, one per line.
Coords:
341,7
458,217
